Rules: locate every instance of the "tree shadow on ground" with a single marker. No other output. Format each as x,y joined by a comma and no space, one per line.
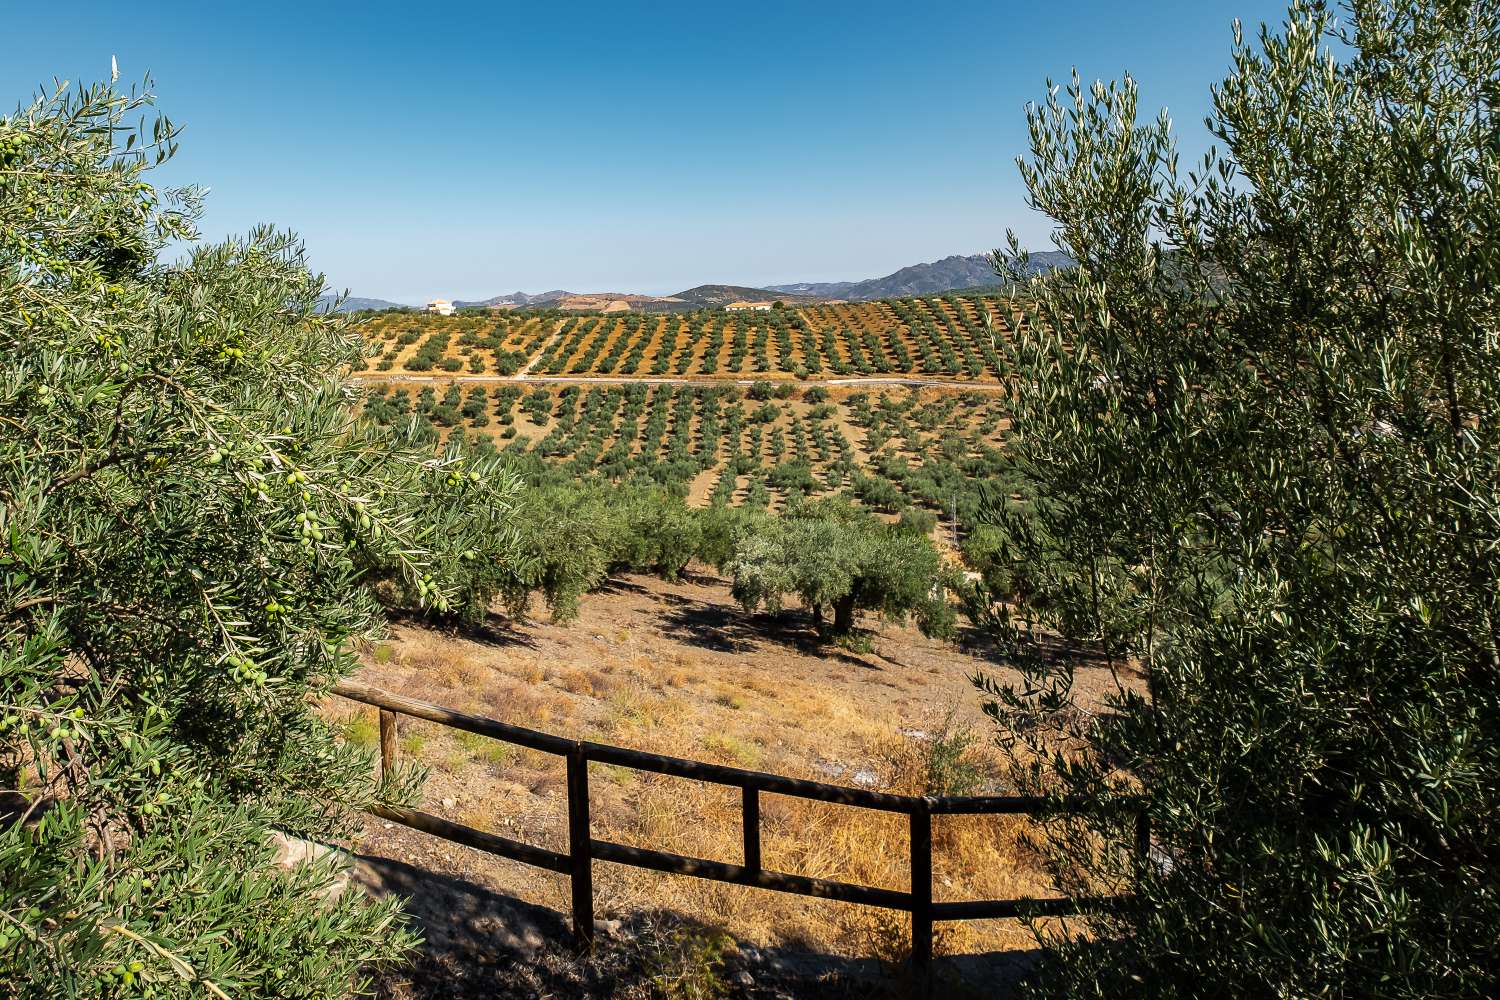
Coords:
496,630
1050,647
620,585
479,943
730,630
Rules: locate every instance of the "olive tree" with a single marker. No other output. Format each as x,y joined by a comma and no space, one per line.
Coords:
1257,435
832,556
191,524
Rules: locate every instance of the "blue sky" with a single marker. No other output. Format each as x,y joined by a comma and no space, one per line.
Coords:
466,150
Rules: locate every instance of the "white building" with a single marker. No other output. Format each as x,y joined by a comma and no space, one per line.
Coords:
735,307
440,306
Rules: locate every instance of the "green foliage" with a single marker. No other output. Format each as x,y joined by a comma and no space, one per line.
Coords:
193,522
1259,460
831,555
949,766
688,964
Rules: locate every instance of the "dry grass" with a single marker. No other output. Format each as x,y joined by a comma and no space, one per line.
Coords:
624,675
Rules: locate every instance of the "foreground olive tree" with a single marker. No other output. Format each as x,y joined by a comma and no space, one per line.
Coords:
1258,432
191,528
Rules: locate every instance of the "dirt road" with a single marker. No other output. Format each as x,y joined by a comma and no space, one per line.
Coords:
524,377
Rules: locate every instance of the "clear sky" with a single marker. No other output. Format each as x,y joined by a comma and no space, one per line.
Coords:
470,149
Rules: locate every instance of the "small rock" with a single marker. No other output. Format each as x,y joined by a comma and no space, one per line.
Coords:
743,978
866,778
294,851
447,803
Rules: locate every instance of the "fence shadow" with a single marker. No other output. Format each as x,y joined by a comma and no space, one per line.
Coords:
481,943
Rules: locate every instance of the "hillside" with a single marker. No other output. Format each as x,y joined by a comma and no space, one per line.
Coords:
354,304
721,295
515,299
948,274
675,668
935,277
948,337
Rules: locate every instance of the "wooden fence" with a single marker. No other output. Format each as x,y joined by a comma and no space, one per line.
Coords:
583,850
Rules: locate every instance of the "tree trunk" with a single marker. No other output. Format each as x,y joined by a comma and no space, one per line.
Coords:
843,615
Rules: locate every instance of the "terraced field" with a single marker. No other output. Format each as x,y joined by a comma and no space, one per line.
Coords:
951,337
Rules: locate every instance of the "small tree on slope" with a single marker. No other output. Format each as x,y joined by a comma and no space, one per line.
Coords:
190,520
834,557
1259,435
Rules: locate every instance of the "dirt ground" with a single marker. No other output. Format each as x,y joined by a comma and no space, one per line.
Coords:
679,668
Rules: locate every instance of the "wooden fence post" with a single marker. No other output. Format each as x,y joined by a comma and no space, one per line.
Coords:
579,848
387,743
921,895
751,822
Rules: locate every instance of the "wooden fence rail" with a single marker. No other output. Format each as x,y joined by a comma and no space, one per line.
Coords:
584,850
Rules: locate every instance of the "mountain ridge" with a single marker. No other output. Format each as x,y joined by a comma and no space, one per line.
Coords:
957,271
353,303
949,273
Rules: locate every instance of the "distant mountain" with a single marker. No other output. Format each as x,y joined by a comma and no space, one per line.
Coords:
815,289
722,295
353,303
948,274
517,299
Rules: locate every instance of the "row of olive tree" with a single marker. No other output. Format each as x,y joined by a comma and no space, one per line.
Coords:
1258,444
565,538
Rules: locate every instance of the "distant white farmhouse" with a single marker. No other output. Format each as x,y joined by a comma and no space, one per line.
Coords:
759,307
440,306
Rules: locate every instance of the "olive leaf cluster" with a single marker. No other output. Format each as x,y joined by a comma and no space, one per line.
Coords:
1257,438
195,535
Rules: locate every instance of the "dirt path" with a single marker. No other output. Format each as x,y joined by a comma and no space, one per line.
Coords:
525,373
523,376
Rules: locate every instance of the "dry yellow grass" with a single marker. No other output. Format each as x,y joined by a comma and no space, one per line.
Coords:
625,675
